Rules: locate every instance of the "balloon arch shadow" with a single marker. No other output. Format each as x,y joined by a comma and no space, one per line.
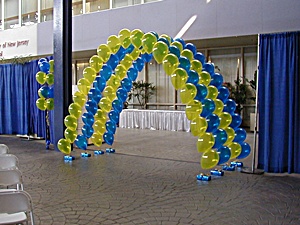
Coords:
108,79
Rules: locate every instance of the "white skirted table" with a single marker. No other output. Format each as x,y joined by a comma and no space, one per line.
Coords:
154,120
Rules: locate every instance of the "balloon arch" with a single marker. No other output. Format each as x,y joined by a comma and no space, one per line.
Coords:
108,79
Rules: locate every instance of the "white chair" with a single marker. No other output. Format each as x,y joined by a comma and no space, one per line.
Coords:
3,149
16,207
11,177
8,161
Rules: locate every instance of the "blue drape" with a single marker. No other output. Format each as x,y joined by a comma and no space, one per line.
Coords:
279,106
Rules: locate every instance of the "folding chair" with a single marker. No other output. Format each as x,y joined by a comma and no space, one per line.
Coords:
3,149
16,207
8,161
10,177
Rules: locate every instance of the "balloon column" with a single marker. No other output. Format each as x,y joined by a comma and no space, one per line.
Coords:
108,79
45,101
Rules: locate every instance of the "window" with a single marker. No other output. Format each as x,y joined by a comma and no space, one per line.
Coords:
77,7
122,3
46,10
11,17
96,5
29,12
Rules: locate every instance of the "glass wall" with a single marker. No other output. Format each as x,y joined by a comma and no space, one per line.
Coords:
1,28
122,3
11,14
46,10
77,7
96,5
29,12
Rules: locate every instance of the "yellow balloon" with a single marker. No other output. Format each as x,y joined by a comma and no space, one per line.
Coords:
188,93
135,53
148,41
101,116
205,78
205,142
136,37
127,61
71,122
230,135
70,135
178,45
64,146
41,103
124,37
160,50
84,85
109,92
196,65
212,92
75,110
219,107
99,127
50,104
51,63
209,159
40,77
193,109
104,52
121,71
179,78
225,120
114,82
90,74
105,104
113,43
96,63
188,53
79,98
50,78
235,149
198,126
167,37
97,139
170,63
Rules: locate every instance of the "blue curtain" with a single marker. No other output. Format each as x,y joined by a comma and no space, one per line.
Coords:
279,106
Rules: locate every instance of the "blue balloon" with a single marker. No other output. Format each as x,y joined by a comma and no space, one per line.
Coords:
114,116
246,149
224,154
87,130
88,118
199,56
138,64
44,90
42,60
220,136
208,106
106,71
51,92
193,77
111,126
216,80
113,61
147,57
44,66
181,41
191,47
155,34
129,49
165,40
117,105
95,94
184,63
122,95
213,122
126,84
174,50
229,106
240,135
108,138
236,121
201,92
223,94
209,67
81,142
99,83
91,106
132,73
121,53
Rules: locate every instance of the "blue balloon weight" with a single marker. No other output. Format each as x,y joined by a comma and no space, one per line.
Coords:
87,130
165,40
193,77
81,142
138,64
220,136
122,95
199,56
208,106
117,105
99,83
216,80
114,116
224,154
88,118
111,126
113,61
44,90
121,53
246,149
44,66
132,73
91,106
106,71
236,121
147,57
108,138
174,50
213,122
201,92
240,135
223,94
184,63
126,84
209,67
95,94
191,47
181,41
229,106
129,49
